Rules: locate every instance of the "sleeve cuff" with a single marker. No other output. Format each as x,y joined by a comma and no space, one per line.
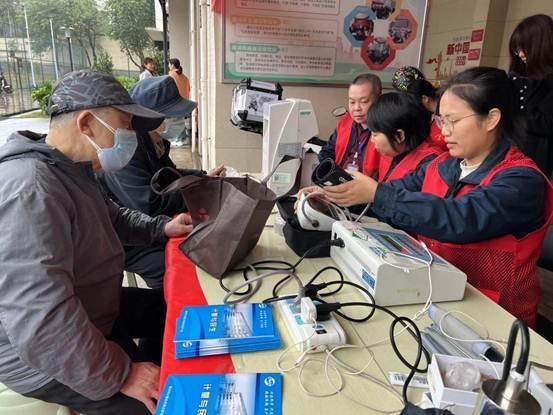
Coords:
384,200
160,236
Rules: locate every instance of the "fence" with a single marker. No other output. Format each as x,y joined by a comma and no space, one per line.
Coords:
15,63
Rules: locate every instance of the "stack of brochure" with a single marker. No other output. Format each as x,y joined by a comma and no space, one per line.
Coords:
230,394
226,328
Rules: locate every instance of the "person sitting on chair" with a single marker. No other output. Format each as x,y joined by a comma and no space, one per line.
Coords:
130,186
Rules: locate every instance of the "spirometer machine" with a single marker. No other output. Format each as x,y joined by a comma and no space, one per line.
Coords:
376,256
287,126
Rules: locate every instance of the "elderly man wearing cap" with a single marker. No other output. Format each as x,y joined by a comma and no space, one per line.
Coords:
66,325
130,186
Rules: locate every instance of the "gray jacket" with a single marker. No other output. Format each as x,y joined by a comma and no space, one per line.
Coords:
61,263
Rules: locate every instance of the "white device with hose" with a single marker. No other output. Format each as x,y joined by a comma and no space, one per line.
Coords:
378,257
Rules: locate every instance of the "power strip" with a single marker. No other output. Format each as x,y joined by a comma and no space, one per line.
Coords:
328,334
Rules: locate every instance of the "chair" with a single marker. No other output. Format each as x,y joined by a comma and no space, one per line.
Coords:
14,403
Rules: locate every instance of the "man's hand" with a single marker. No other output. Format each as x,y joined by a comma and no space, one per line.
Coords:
219,171
180,225
142,384
358,191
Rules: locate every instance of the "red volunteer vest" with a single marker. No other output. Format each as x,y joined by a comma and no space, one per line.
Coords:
371,158
436,137
409,163
504,265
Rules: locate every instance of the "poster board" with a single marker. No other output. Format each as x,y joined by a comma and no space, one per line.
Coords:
320,41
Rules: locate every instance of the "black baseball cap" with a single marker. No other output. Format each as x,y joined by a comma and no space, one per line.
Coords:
87,89
161,94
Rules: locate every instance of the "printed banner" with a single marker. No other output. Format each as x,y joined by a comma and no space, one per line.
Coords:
321,41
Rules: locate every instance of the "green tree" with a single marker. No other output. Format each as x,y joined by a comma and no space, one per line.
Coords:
127,21
104,63
83,16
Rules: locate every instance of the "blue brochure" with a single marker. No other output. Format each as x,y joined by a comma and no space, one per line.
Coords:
225,328
230,394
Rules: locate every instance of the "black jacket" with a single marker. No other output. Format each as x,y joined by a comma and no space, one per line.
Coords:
535,105
130,186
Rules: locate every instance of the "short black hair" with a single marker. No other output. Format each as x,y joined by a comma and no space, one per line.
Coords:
148,60
369,78
400,111
421,87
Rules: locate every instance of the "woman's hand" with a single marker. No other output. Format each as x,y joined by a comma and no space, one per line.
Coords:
219,171
360,190
306,191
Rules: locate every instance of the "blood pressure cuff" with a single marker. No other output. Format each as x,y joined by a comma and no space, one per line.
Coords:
299,239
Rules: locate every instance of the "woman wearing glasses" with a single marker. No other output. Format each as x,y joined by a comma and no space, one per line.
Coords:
531,70
483,206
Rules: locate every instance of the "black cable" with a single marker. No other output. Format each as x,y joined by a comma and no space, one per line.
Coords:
374,307
257,267
287,267
277,298
420,349
342,279
518,326
321,271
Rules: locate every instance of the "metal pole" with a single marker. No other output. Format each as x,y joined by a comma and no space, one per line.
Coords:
163,4
25,66
29,42
70,53
193,71
7,52
54,54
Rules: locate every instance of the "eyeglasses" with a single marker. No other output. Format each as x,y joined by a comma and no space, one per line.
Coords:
442,122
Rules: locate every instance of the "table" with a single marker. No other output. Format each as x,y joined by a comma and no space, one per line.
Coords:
187,285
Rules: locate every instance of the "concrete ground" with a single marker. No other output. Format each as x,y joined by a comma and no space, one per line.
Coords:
10,125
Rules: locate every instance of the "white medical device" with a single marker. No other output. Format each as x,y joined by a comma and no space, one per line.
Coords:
371,257
308,336
287,126
316,213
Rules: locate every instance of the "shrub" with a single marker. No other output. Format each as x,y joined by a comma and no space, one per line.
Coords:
104,63
127,82
41,94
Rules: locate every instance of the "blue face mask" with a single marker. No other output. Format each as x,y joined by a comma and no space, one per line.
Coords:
116,157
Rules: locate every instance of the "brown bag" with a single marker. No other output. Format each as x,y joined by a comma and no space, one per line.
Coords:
220,241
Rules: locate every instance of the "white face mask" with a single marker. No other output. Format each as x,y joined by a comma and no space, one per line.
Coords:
120,154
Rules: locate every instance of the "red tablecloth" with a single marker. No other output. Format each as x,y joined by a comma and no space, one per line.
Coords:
183,288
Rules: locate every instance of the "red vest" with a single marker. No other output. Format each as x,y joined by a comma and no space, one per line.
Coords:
436,137
371,158
409,163
505,265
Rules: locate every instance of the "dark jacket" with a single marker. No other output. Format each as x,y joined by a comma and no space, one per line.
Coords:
61,272
535,105
130,186
511,204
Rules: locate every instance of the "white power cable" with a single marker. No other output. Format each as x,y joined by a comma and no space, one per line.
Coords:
485,339
427,263
363,212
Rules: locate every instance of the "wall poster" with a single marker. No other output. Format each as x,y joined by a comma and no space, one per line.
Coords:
321,41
